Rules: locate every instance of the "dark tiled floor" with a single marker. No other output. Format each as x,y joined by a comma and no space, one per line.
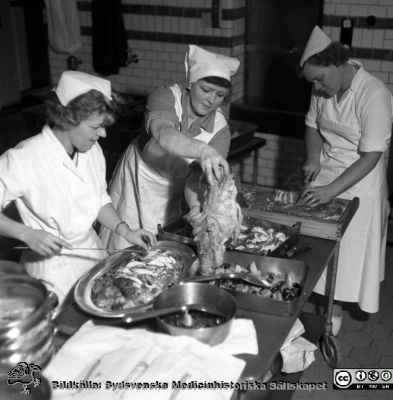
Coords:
365,340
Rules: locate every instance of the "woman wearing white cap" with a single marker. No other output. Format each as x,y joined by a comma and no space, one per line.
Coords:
185,134
348,128
57,180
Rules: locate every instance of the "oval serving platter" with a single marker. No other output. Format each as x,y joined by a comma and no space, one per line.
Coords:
84,286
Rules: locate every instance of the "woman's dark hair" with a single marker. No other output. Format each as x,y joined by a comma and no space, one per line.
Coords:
217,80
335,54
78,109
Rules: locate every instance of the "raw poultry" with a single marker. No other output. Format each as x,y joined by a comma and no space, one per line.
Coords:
221,220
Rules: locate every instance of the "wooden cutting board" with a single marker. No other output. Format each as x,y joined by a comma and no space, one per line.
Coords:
327,221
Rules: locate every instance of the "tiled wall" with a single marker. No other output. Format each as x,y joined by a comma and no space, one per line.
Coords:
372,44
372,40
158,33
159,30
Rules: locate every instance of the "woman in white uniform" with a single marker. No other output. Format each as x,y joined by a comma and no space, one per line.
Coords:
57,180
348,129
185,135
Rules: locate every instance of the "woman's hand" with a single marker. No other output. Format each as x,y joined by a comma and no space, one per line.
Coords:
311,169
213,164
140,237
44,243
315,196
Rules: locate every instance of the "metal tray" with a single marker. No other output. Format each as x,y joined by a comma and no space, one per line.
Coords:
180,231
299,272
292,233
83,288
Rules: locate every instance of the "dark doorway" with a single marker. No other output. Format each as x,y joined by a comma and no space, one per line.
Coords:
277,31
37,42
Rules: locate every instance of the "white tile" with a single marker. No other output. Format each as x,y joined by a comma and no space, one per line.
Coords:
329,9
387,66
372,65
388,44
378,38
175,25
378,11
367,38
357,37
342,9
358,11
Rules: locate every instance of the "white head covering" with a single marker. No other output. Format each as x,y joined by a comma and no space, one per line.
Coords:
317,42
74,83
201,63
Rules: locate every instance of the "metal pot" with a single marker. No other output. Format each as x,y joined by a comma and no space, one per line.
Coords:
26,328
187,293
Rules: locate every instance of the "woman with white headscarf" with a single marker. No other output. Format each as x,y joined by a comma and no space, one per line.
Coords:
348,129
57,180
185,135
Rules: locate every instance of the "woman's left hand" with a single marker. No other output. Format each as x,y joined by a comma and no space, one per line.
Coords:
141,237
315,196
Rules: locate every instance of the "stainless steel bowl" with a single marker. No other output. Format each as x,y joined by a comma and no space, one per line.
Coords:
187,293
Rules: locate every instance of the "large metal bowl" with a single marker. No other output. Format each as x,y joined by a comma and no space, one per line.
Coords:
187,293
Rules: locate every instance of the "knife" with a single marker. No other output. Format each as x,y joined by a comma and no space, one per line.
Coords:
302,192
78,248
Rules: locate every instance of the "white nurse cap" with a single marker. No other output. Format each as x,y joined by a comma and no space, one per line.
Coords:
317,42
201,63
74,83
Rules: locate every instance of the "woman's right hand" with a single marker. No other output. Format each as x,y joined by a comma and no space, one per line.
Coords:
213,164
311,170
44,243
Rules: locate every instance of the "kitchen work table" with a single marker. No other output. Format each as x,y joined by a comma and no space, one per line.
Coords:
243,143
271,329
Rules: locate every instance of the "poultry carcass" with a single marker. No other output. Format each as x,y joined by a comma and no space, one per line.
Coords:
221,220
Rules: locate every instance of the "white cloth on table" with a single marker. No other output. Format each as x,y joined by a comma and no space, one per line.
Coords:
54,194
360,121
105,353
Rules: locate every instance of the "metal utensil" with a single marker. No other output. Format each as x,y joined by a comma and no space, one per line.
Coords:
300,199
78,248
243,276
156,312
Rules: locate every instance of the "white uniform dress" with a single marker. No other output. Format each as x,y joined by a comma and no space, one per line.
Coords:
58,195
360,121
147,186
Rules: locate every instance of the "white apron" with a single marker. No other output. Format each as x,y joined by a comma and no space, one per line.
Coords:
61,272
144,198
361,262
